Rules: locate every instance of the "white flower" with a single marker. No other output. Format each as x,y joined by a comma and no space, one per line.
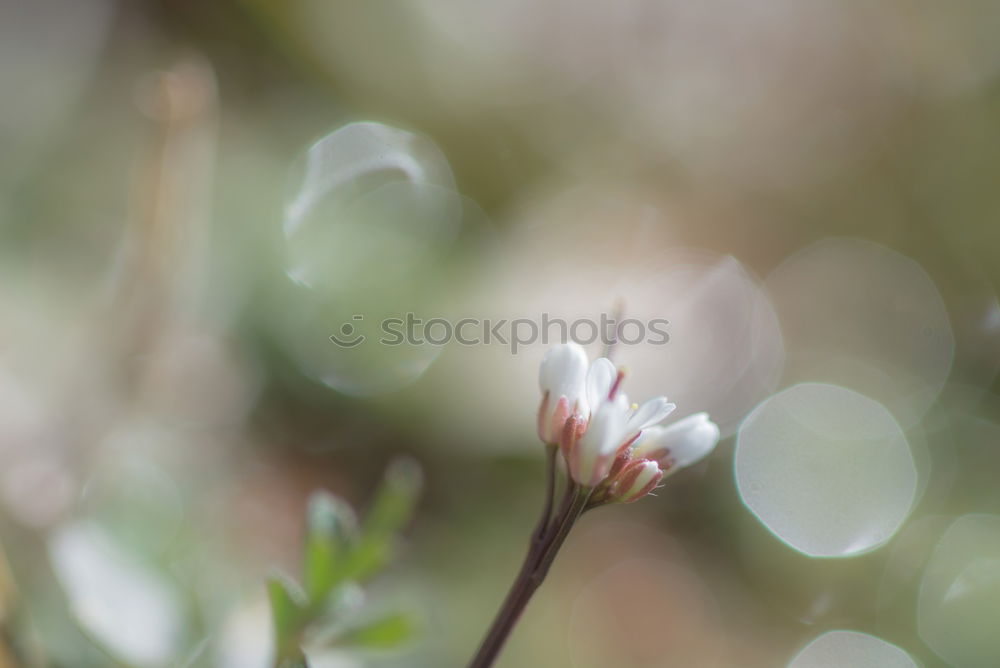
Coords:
680,444
562,379
610,446
613,425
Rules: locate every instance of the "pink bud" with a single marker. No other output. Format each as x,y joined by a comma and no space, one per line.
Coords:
636,480
552,419
621,461
571,431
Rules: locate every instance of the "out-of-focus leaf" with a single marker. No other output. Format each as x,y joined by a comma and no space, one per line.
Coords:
346,601
8,593
127,606
396,498
287,603
383,633
393,507
8,608
331,528
337,554
296,662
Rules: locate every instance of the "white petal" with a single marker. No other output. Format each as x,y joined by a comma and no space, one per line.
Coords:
650,413
692,439
606,432
649,444
600,379
563,372
607,426
687,441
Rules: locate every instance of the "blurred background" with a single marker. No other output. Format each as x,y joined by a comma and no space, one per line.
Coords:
195,196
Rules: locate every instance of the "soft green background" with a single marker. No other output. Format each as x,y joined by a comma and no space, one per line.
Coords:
146,155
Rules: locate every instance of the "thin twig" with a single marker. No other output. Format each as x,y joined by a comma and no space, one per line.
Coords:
538,537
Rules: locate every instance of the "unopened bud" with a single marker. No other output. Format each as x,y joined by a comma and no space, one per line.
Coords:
637,479
552,419
621,461
562,380
571,432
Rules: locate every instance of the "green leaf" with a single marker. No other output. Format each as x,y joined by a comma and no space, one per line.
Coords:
331,529
391,511
395,502
296,662
287,605
383,633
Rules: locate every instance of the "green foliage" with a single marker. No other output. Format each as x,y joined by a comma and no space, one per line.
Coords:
339,553
331,531
391,510
287,612
388,631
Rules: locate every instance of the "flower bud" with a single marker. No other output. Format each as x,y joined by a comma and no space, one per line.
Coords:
562,379
635,481
573,429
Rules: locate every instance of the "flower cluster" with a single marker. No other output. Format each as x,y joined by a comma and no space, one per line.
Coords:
613,447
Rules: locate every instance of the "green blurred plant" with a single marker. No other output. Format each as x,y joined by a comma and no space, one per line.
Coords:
15,648
340,554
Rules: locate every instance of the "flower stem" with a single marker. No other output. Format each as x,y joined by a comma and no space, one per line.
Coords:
544,547
538,536
580,497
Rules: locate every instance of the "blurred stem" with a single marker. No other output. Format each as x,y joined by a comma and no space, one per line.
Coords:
544,548
618,314
161,283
